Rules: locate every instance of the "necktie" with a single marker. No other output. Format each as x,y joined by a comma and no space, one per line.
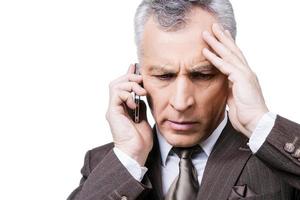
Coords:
185,185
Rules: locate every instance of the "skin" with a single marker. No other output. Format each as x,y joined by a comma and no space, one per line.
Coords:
182,84
185,95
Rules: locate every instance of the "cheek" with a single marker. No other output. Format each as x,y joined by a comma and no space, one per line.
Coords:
157,97
213,95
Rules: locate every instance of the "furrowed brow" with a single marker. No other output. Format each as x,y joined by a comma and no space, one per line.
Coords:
199,68
161,69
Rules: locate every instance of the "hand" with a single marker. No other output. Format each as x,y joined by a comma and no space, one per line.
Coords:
245,99
134,139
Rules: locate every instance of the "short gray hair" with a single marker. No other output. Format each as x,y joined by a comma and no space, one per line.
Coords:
171,14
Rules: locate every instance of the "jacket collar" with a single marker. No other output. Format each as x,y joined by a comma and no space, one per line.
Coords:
224,166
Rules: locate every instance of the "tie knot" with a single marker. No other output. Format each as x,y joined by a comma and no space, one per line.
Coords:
186,152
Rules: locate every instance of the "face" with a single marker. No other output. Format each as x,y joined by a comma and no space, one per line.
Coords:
186,93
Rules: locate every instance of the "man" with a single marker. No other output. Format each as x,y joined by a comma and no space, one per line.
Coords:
191,69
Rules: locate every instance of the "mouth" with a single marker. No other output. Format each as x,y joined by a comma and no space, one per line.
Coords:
182,125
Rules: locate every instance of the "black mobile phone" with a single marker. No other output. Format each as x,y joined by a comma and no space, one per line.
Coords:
137,98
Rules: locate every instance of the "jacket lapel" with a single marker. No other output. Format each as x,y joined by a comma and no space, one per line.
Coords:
154,169
224,165
223,168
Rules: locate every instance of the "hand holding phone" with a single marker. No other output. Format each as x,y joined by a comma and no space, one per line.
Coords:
127,117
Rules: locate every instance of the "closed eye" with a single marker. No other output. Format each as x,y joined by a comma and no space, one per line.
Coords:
165,76
193,75
202,76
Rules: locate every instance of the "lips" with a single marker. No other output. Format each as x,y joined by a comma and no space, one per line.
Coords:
182,122
182,125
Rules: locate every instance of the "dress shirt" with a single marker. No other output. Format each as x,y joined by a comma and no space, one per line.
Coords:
170,161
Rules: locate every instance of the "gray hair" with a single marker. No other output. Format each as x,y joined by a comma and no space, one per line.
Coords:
171,14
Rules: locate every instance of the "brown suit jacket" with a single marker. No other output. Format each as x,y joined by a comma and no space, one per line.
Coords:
232,171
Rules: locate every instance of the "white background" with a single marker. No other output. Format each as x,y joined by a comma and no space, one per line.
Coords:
57,58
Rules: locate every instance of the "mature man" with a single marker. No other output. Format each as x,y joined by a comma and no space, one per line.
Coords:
191,69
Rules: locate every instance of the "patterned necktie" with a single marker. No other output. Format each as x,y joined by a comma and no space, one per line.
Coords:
185,186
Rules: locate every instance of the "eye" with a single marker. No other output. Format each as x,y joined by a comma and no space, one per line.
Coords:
202,76
165,76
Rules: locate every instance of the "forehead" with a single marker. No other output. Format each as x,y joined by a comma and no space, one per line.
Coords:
180,47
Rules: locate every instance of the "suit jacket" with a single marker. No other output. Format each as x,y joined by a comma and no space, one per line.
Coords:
232,170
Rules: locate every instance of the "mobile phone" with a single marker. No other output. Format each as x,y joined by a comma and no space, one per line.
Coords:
137,97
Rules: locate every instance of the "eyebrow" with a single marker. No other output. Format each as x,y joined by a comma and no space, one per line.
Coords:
160,68
195,68
199,68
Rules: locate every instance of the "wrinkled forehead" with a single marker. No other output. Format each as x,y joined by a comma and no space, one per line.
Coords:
180,46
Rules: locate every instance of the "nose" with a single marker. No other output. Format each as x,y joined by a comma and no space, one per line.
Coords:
182,97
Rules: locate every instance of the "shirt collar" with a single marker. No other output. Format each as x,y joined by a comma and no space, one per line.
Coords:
207,145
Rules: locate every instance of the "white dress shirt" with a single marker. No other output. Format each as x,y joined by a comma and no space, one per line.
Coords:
170,161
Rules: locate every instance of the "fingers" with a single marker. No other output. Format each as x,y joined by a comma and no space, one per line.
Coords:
217,61
228,58
121,93
225,67
128,77
131,69
131,87
121,89
124,97
226,39
223,51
